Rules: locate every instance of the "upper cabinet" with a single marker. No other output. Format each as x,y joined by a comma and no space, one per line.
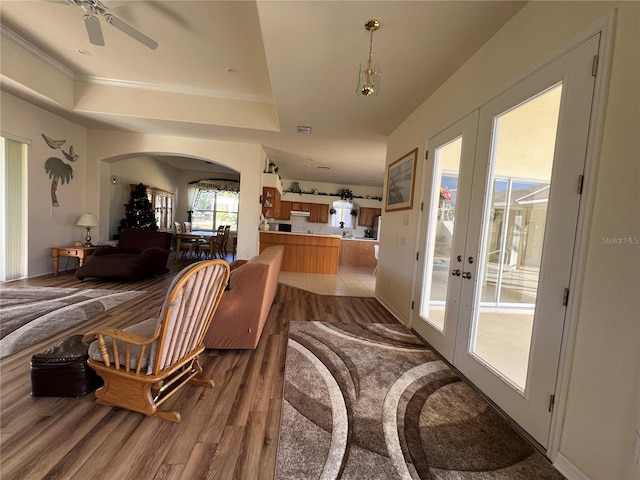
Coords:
270,202
318,212
368,215
283,212
300,206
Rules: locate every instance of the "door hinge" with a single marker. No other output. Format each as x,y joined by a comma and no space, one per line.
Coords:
421,206
565,297
580,184
552,400
412,304
594,65
417,256
426,155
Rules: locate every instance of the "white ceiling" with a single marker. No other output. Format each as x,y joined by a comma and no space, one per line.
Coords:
296,64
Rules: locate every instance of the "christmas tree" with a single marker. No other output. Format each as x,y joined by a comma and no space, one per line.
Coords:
138,212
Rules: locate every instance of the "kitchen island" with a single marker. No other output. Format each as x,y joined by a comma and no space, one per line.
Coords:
305,252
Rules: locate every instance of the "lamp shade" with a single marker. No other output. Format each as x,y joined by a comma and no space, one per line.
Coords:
87,220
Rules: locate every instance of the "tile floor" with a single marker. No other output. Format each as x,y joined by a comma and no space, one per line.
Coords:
350,282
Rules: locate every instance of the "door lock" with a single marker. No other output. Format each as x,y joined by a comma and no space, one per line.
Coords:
455,273
466,274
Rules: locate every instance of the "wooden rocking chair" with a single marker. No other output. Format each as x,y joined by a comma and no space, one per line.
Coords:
141,371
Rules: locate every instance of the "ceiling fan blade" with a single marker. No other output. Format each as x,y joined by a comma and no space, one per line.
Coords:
93,29
132,32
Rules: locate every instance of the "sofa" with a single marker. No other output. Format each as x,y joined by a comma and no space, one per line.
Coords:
139,254
243,310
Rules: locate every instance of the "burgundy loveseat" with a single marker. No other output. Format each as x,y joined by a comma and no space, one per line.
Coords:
140,253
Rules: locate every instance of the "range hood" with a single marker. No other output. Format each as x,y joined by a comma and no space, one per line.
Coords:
297,213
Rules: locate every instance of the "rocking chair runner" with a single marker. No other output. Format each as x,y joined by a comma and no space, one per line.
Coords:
141,372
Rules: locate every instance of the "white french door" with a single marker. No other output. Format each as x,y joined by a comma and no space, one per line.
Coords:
499,236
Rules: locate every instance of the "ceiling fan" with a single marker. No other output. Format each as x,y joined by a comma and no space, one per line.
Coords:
95,8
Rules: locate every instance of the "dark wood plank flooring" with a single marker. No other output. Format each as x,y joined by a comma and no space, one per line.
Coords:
228,432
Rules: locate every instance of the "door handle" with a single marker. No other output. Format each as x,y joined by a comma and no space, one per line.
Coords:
466,274
456,272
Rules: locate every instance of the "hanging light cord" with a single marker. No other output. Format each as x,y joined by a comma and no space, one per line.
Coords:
370,45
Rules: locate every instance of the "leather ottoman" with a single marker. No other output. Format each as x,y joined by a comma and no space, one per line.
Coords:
62,370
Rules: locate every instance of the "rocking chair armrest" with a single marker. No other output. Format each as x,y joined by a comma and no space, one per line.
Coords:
118,334
109,348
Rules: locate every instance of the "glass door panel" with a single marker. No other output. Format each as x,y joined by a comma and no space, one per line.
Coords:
443,232
441,228
520,178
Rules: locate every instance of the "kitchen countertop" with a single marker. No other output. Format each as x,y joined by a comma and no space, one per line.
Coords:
321,235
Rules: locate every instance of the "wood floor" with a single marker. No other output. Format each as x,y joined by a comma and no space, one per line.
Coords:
230,432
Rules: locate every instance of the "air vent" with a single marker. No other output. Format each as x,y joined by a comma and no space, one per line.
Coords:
304,129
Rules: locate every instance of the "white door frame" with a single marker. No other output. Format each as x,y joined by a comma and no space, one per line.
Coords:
606,27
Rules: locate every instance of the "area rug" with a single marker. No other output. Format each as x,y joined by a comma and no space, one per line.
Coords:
370,401
29,315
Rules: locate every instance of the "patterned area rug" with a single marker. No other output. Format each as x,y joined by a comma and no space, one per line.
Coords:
370,401
29,315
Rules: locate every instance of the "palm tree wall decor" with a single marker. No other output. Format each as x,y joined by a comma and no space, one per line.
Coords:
56,168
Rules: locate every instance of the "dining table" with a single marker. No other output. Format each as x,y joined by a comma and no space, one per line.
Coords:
195,235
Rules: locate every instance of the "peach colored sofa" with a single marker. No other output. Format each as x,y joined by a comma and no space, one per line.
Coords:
244,308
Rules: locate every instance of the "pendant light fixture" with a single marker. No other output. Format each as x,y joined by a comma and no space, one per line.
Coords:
369,77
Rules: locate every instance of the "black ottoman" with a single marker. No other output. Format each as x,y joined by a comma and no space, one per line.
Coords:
62,370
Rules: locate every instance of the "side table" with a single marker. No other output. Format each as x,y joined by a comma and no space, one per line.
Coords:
80,252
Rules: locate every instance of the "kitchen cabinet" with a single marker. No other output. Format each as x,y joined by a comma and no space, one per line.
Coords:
367,216
270,202
284,210
305,253
318,212
299,207
360,253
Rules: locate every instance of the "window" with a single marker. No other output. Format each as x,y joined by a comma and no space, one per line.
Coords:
213,208
343,214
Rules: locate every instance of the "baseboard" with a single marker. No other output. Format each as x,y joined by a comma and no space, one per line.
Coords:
389,309
568,469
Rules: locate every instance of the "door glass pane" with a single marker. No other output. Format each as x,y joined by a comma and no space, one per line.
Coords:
440,233
524,140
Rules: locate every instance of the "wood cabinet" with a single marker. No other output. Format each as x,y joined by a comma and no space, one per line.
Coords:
300,206
367,216
283,212
318,212
162,203
270,202
305,253
359,253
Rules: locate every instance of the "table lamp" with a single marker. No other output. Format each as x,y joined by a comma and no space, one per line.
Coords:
87,220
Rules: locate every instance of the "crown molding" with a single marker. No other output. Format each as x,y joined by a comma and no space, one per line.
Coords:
21,42
203,92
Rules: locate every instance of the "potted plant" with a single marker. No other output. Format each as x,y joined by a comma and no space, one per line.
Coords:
354,211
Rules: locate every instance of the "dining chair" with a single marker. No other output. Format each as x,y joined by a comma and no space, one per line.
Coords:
376,248
224,241
195,243
185,244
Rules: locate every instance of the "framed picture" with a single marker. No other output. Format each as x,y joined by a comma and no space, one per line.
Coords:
400,181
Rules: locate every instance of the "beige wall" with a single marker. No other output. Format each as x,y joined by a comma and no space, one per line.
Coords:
90,189
603,394
246,159
26,121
